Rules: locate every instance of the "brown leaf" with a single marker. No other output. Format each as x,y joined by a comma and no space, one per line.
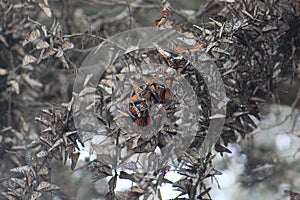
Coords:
99,175
46,140
28,59
3,40
124,175
105,159
8,196
56,144
105,169
18,134
74,158
15,86
43,170
32,82
112,183
42,45
35,195
23,169
137,190
145,146
64,61
110,195
44,29
42,154
57,30
221,149
32,36
67,45
247,119
264,167
49,52
3,72
138,177
46,10
206,191
20,182
47,187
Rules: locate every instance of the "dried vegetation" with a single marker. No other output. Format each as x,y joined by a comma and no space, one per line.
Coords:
252,43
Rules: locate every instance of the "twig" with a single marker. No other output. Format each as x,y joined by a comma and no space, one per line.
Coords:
108,3
293,106
129,11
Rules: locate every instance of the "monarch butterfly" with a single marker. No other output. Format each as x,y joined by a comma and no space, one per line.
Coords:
162,94
194,48
144,121
32,36
163,19
144,97
136,113
139,113
28,59
176,62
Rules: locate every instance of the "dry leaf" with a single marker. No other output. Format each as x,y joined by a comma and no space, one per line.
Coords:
46,10
15,86
32,36
28,59
43,171
18,134
42,45
49,52
44,29
41,56
32,82
42,154
3,40
57,30
35,195
3,72
45,186
264,167
58,142
59,53
20,182
67,45
8,196
64,61
46,140
112,183
74,158
22,169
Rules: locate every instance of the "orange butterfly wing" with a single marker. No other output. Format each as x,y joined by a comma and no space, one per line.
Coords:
194,48
180,49
163,19
197,47
143,121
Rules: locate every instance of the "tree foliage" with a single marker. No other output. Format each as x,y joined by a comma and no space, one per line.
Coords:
252,43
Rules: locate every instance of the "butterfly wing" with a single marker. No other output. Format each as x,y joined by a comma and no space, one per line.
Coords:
197,47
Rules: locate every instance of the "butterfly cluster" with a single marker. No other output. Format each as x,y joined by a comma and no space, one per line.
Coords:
147,95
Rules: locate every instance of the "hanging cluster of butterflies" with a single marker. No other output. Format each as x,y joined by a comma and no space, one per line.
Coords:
48,43
29,181
60,136
152,92
159,23
147,95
